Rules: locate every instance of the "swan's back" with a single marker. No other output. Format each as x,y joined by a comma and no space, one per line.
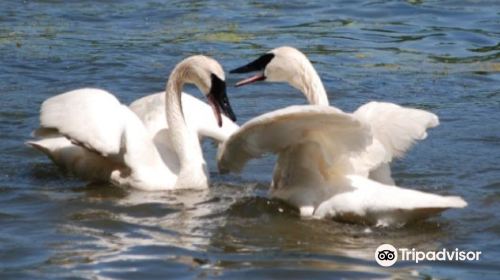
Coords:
151,111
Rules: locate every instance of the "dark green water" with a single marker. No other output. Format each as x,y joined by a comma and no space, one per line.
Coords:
443,56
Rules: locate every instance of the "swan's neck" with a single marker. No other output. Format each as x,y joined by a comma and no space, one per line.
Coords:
310,85
184,141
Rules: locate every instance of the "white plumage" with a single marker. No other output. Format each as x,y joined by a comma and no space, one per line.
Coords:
339,168
394,130
151,111
91,134
275,131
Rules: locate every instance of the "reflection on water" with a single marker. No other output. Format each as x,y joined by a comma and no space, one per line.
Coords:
437,55
199,230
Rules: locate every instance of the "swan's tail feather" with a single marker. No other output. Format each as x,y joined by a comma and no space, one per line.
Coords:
381,195
45,146
44,132
51,148
400,217
453,202
37,146
432,209
75,159
408,199
365,200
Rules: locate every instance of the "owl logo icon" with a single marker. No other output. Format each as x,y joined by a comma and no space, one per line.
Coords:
386,255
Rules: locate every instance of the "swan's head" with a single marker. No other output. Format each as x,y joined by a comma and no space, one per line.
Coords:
207,74
283,64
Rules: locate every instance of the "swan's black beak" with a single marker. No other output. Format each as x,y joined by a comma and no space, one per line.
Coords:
257,65
217,98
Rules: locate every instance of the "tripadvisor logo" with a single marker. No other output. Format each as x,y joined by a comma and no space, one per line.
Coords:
387,255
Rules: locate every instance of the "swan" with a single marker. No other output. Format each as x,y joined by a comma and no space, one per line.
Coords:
91,134
394,128
204,123
333,164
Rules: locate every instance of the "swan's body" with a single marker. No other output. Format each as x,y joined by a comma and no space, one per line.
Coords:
331,163
90,133
394,129
152,113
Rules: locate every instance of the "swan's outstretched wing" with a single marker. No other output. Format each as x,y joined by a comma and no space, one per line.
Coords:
273,132
96,120
91,118
363,200
199,117
396,127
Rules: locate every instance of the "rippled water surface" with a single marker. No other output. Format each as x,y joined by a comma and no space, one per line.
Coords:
442,56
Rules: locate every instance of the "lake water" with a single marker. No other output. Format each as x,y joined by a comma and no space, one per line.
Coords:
443,56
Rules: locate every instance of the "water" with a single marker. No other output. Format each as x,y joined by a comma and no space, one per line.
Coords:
437,55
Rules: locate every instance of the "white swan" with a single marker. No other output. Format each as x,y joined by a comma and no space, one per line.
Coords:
394,128
108,142
328,160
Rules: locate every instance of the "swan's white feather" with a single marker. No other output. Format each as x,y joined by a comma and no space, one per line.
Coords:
361,199
151,110
397,128
315,145
275,131
95,120
327,173
92,117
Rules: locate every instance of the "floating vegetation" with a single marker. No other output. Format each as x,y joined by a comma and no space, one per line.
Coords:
226,37
361,55
486,49
390,66
467,59
231,35
492,67
10,38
